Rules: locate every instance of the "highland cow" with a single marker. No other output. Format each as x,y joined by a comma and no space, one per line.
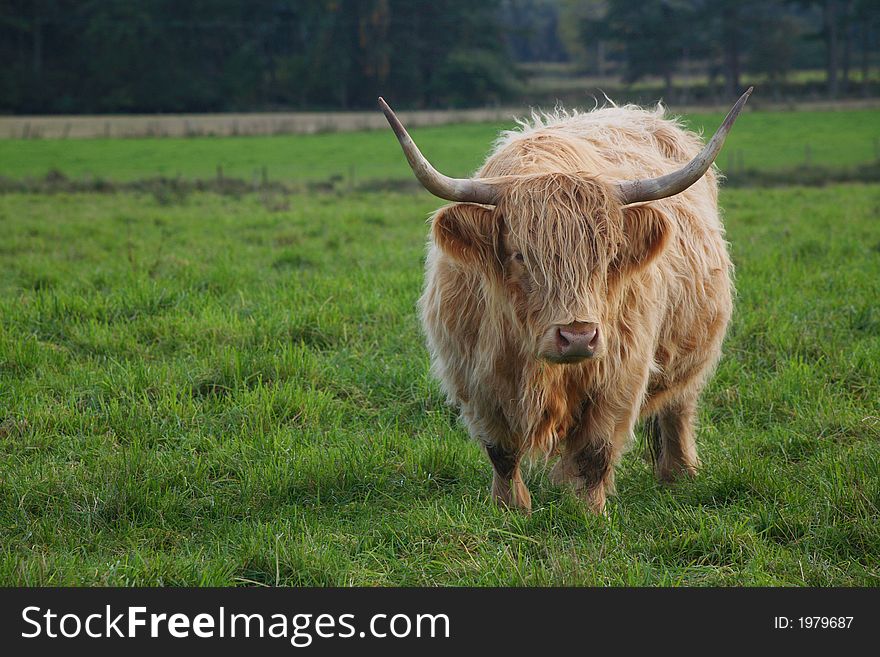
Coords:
579,282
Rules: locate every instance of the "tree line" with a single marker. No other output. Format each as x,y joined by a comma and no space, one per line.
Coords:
97,56
727,38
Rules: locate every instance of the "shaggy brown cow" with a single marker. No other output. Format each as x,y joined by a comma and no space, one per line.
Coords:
580,282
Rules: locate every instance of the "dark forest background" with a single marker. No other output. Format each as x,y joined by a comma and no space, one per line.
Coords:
101,56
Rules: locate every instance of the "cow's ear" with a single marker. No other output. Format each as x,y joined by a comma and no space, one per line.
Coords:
647,232
468,233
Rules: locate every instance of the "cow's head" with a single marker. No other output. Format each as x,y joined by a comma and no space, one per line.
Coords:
556,243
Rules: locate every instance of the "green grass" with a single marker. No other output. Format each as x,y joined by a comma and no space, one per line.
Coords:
763,140
218,390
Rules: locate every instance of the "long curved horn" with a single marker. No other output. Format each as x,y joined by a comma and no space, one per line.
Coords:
465,190
651,189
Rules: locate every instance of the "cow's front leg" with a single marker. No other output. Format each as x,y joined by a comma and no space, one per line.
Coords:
677,454
592,448
595,468
508,487
589,467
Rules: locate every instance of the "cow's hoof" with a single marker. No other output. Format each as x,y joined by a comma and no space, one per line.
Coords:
525,506
594,498
522,499
517,497
669,473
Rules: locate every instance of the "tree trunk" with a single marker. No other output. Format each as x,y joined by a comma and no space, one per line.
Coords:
831,46
730,37
848,31
38,40
865,59
686,82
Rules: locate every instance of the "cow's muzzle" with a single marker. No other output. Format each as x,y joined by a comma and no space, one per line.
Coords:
571,343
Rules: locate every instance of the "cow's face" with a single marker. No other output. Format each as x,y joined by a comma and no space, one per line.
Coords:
555,248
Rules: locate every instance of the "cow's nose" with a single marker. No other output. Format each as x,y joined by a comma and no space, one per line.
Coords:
577,340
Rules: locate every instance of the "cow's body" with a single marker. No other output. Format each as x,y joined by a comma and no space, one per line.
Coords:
662,317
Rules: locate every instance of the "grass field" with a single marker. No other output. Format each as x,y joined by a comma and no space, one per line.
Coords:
762,140
229,391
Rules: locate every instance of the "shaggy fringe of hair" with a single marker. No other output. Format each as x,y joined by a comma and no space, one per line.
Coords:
568,213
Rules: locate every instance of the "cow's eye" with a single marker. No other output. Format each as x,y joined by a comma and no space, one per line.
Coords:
518,257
